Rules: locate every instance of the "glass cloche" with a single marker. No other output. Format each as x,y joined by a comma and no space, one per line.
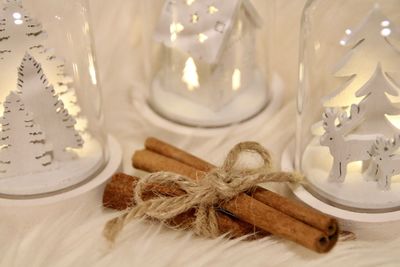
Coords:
203,65
51,136
348,134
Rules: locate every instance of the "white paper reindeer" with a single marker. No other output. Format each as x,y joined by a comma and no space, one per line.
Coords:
24,148
40,97
386,162
345,149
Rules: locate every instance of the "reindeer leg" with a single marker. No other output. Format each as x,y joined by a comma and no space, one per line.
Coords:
371,173
338,171
384,182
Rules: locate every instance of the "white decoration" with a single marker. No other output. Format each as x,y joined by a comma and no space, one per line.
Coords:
25,150
387,163
370,46
20,34
49,111
200,28
345,149
376,105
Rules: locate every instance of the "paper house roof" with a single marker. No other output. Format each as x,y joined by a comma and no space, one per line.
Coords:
201,27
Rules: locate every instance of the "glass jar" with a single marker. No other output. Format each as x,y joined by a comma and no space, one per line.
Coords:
203,67
51,117
348,127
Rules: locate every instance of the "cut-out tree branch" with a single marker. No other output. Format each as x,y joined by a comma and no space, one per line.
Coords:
24,148
20,34
40,97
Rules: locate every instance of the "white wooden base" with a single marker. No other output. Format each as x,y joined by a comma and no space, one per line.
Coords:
367,226
356,192
184,111
142,106
94,186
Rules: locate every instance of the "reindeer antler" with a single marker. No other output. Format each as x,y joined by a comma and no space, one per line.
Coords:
349,122
384,146
329,117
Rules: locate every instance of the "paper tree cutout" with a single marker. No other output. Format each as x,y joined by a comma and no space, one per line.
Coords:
200,27
377,105
371,45
369,64
24,149
337,125
20,34
386,161
48,108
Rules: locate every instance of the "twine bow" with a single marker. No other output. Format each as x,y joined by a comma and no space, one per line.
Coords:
219,185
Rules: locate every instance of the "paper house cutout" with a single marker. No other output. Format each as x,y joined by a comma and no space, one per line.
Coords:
201,28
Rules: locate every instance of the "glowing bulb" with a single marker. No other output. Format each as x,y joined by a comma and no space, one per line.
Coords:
385,23
212,10
174,29
18,21
386,32
17,15
342,42
190,2
348,32
202,38
236,80
190,76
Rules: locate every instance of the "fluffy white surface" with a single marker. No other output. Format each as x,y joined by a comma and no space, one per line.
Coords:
74,237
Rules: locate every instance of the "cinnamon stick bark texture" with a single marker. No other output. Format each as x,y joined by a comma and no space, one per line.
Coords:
243,206
118,195
288,206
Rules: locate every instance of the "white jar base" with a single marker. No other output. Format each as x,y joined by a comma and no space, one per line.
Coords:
367,226
94,187
172,125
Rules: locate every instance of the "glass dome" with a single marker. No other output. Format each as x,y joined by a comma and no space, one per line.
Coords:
203,64
51,136
348,103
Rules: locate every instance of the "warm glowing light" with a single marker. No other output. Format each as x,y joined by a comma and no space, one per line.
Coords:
342,42
190,2
18,21
348,32
174,29
212,10
236,80
385,23
17,15
92,70
195,18
355,166
190,76
386,32
202,38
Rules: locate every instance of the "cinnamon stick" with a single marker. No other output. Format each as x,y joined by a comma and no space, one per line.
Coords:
118,195
243,206
288,206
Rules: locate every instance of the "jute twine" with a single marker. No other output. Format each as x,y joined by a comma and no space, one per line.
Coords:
216,187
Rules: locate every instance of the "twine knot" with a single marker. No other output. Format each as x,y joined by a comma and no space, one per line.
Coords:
204,196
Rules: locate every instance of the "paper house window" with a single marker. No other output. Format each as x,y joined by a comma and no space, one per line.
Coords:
206,62
349,132
50,129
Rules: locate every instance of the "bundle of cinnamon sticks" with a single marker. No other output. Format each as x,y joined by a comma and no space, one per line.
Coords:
258,213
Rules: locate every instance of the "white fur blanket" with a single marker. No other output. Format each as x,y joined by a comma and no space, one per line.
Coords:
74,238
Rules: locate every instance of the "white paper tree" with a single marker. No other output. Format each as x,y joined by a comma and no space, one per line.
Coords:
370,45
48,108
24,148
20,34
369,64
